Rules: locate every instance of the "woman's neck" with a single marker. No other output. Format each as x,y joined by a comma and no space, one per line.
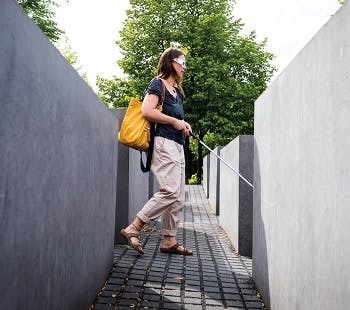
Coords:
170,80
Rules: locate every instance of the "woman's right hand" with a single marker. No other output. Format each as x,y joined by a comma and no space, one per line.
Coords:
179,125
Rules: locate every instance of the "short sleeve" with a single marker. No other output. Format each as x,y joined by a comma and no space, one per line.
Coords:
155,87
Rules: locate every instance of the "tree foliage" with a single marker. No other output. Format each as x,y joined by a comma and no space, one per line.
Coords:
42,13
226,71
115,92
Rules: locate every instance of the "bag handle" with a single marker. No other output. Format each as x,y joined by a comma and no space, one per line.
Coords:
147,167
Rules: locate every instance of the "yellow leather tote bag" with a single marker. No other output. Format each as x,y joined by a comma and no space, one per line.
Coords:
135,131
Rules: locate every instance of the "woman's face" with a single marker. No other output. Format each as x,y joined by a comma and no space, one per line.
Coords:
179,65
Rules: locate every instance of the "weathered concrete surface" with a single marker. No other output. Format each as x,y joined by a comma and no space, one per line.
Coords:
214,183
302,177
58,174
134,186
236,196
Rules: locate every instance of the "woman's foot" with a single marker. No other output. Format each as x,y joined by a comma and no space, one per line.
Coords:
170,245
132,235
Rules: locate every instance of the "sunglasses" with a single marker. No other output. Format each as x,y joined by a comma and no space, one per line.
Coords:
181,62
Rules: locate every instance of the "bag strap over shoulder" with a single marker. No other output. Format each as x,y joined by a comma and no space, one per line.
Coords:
163,93
147,167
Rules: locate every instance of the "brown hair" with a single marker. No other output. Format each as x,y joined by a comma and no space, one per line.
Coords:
165,68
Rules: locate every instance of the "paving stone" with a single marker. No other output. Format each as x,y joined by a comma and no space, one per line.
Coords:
214,307
153,284
111,294
149,305
248,291
192,282
193,270
230,287
193,294
134,283
193,301
154,279
102,307
112,287
168,305
211,289
173,281
151,297
234,303
147,290
253,305
193,278
117,279
193,307
234,297
251,298
136,276
214,302
173,299
172,293
132,302
172,286
192,287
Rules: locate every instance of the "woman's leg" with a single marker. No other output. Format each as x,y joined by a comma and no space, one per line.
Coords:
171,215
167,166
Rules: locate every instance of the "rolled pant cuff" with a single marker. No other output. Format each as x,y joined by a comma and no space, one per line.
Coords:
143,218
168,232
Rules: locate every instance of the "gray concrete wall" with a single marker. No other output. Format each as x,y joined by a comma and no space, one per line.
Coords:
134,186
138,184
206,167
302,177
214,184
236,196
122,201
58,175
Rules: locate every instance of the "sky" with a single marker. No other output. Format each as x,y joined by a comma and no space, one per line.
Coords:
92,28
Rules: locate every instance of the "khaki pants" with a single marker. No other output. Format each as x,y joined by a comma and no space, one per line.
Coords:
168,166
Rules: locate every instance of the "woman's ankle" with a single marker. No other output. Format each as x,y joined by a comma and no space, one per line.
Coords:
169,240
137,224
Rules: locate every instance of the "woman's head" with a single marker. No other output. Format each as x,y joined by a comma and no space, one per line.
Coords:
172,63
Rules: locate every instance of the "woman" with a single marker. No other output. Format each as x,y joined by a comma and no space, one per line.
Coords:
168,162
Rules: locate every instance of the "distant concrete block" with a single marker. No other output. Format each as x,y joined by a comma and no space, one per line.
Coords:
206,169
214,181
133,186
236,196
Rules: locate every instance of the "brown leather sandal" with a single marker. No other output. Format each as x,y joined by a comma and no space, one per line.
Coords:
136,245
175,250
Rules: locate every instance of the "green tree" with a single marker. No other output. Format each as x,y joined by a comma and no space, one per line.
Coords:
226,71
115,92
42,13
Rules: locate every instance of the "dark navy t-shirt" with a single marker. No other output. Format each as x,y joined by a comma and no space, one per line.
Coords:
172,107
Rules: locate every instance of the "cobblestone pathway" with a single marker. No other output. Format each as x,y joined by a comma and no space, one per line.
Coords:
215,277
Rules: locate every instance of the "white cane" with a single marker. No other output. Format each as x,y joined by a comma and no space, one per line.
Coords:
220,158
